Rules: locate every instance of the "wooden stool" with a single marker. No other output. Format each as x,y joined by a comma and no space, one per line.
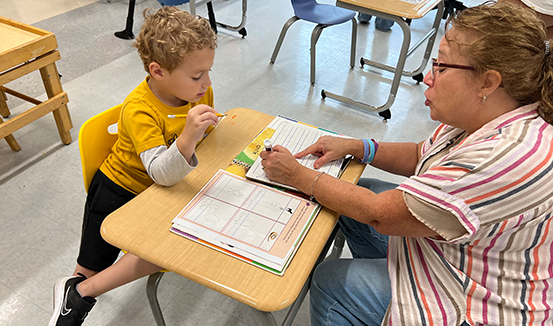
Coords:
24,49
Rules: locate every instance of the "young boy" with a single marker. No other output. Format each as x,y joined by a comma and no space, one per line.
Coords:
177,50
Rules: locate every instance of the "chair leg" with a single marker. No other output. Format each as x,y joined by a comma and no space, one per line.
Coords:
287,25
314,38
353,42
151,290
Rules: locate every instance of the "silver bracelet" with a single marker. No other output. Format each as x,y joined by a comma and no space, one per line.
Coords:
312,197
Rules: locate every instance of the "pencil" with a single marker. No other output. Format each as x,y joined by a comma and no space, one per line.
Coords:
220,115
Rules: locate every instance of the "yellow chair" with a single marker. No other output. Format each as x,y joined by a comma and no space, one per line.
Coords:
95,143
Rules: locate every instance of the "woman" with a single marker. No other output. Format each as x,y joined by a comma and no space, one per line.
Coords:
470,234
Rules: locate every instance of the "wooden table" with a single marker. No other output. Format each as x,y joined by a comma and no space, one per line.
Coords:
24,49
142,226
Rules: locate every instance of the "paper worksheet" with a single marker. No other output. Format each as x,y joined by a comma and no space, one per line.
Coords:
260,224
295,136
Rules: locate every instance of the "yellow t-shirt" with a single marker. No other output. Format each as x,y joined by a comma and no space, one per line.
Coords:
143,124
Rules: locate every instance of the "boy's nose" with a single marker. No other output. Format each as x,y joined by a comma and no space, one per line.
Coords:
207,82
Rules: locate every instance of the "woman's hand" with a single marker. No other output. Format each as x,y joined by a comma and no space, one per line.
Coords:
280,165
331,148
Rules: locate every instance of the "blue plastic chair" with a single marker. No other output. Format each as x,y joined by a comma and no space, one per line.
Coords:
323,16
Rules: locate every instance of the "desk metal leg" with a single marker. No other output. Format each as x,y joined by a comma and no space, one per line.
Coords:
151,290
398,71
267,318
241,29
211,16
127,34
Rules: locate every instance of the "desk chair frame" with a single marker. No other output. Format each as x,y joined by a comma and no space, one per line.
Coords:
336,237
127,33
405,52
95,143
266,317
314,38
240,28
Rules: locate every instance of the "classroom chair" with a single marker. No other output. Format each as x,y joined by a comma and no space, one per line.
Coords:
95,143
323,16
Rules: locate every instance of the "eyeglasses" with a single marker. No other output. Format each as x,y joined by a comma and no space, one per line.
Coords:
436,65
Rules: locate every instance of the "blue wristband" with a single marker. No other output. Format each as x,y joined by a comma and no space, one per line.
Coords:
373,151
366,151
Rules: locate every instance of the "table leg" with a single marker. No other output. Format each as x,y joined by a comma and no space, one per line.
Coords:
266,318
11,141
52,84
4,111
211,15
127,34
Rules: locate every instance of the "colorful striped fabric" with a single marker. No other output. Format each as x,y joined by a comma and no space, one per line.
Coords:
498,183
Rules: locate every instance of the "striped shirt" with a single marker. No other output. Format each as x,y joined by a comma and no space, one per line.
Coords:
498,183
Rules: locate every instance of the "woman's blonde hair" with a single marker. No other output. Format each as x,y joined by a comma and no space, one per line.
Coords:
511,40
170,34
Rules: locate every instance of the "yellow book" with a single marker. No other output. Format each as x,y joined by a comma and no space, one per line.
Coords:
243,161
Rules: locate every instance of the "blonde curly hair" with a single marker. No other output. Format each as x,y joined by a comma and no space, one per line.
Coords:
169,35
511,40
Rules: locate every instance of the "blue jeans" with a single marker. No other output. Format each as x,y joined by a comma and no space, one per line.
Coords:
383,25
354,291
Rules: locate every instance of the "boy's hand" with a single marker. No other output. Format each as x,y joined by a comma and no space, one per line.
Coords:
199,118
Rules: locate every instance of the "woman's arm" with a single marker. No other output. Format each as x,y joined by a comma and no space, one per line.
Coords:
386,211
397,158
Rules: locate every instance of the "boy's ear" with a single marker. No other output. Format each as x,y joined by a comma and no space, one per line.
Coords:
156,71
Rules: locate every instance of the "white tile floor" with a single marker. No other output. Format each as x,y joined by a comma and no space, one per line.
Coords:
41,190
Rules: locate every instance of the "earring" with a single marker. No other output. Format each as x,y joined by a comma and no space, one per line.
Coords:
484,99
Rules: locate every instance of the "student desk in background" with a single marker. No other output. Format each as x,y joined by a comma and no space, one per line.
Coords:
395,10
142,227
25,49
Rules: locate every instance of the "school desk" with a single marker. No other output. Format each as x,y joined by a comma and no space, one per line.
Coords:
142,227
127,33
24,49
395,10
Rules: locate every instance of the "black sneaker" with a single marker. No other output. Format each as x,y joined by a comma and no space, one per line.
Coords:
70,309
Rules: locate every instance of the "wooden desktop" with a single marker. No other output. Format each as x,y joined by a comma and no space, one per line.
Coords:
142,226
